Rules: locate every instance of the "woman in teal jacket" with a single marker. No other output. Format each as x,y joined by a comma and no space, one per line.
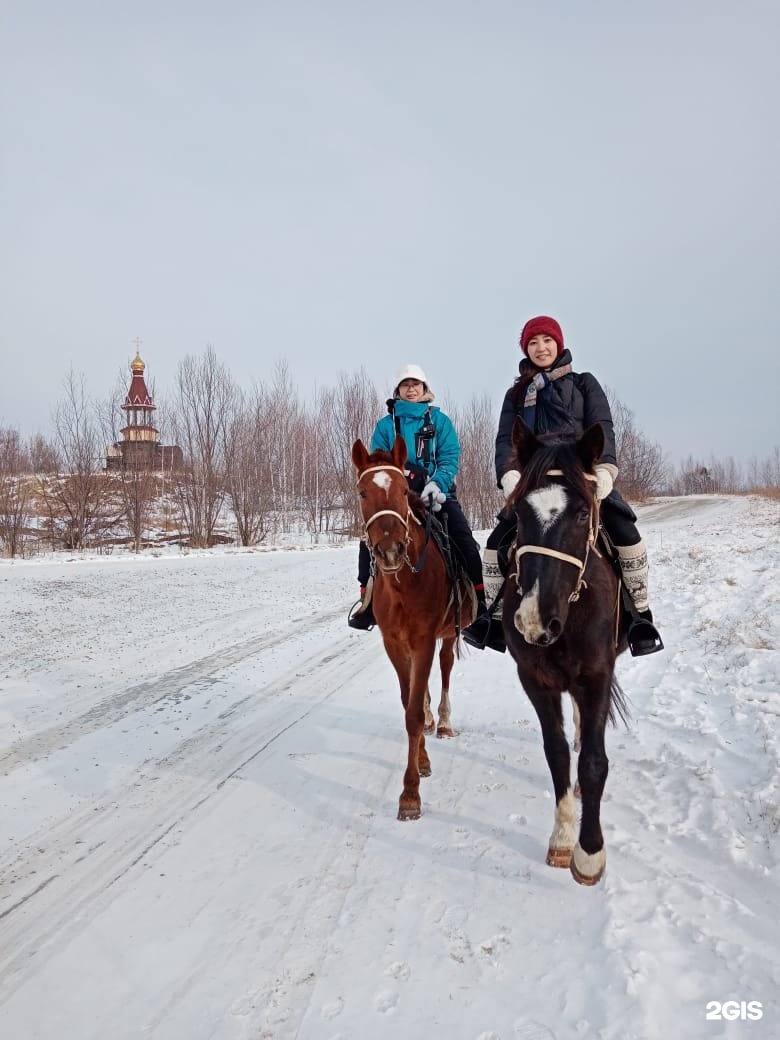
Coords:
433,451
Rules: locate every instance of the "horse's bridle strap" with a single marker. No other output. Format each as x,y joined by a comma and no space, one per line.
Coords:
376,469
544,551
386,512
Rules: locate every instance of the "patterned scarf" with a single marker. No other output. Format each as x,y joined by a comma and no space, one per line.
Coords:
552,416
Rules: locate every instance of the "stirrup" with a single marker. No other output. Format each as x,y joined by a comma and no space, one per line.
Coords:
485,631
643,638
361,619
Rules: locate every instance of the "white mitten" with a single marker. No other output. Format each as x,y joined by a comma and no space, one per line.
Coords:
509,481
604,482
433,495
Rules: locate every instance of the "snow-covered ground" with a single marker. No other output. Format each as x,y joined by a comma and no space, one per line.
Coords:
199,773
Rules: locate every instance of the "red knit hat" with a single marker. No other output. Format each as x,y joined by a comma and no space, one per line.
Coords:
541,326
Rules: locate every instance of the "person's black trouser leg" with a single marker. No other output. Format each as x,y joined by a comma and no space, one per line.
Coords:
363,618
468,546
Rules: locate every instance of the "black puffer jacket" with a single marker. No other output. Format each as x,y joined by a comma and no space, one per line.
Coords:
578,393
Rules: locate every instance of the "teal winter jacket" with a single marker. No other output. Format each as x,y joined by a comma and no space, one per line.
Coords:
444,447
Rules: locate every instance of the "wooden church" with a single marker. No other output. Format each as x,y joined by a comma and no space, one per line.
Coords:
140,447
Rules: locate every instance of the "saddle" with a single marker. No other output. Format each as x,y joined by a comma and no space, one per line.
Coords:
460,583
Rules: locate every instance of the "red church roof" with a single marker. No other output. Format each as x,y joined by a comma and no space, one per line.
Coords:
138,396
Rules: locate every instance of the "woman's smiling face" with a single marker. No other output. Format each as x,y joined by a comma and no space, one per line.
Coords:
410,390
542,350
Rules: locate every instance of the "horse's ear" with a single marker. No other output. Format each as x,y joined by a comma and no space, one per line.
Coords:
524,442
590,446
359,455
399,451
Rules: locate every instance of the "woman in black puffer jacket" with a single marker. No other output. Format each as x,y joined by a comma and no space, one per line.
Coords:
551,398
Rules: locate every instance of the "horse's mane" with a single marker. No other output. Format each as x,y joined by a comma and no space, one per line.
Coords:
556,452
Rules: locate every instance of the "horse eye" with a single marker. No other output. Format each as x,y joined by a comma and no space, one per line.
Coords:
362,494
583,516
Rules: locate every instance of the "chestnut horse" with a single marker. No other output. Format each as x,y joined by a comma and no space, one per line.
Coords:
564,626
413,600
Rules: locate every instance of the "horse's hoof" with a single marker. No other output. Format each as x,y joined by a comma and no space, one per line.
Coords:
446,731
587,869
425,770
429,727
409,812
581,879
559,857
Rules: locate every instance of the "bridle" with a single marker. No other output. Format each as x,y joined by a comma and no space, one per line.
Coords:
543,550
388,512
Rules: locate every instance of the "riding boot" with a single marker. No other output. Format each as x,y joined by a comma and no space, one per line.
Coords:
487,628
363,618
643,636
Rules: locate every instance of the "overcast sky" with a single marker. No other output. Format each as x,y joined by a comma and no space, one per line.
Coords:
354,183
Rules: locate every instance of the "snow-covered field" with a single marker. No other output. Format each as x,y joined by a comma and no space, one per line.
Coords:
199,772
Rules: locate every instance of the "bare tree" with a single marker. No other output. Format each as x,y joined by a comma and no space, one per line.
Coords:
77,499
641,464
478,494
320,496
348,411
15,492
202,409
43,455
248,466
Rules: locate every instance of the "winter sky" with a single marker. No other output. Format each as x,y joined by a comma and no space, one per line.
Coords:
351,184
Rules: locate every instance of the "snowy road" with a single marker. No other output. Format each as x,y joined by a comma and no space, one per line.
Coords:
199,773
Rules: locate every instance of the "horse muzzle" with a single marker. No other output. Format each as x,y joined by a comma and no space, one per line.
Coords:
533,626
390,558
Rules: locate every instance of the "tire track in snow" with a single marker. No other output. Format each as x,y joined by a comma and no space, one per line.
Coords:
146,694
69,872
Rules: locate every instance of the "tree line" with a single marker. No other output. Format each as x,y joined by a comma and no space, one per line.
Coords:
259,462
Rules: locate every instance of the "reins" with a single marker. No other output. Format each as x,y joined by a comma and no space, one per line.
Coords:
543,550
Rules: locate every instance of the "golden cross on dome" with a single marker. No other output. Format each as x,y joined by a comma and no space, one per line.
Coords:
137,344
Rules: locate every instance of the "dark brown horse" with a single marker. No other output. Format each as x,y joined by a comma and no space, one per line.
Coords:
564,628
413,601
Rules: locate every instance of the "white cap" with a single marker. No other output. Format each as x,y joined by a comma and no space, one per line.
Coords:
411,372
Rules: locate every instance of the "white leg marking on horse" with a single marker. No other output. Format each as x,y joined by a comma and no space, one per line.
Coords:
383,480
527,619
565,829
429,720
548,504
589,865
445,720
577,725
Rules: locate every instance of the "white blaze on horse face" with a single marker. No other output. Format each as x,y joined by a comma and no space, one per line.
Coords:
548,504
528,621
383,480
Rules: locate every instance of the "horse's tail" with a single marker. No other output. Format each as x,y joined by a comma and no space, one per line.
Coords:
618,705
